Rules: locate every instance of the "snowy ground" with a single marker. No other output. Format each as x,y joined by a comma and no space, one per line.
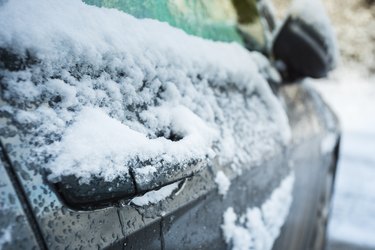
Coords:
352,96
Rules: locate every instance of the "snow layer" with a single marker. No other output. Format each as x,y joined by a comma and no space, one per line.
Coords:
352,96
95,91
154,197
314,13
95,137
260,226
222,182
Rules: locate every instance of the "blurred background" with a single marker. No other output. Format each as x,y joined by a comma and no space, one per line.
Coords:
350,91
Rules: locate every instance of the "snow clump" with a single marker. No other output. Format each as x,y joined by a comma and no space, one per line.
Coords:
260,226
222,182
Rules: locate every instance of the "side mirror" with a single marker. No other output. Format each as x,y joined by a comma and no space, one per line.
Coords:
303,50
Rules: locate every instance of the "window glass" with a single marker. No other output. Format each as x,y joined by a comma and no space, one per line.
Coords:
220,20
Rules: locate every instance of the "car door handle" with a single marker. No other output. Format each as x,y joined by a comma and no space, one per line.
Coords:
99,193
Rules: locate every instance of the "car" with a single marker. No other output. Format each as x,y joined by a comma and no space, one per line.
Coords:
164,125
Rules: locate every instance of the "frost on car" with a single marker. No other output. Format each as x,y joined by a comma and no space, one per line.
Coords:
116,128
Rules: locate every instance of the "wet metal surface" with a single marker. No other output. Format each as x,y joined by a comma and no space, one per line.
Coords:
15,230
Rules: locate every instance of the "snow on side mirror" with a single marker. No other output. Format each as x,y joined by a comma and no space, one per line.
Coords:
305,44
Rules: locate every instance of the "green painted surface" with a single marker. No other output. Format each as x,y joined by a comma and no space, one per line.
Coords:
219,20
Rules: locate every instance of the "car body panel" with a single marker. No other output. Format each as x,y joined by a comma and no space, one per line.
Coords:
314,168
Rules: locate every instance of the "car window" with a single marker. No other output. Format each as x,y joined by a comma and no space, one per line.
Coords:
219,20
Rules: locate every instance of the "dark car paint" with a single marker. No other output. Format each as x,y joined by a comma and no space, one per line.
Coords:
303,50
305,227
